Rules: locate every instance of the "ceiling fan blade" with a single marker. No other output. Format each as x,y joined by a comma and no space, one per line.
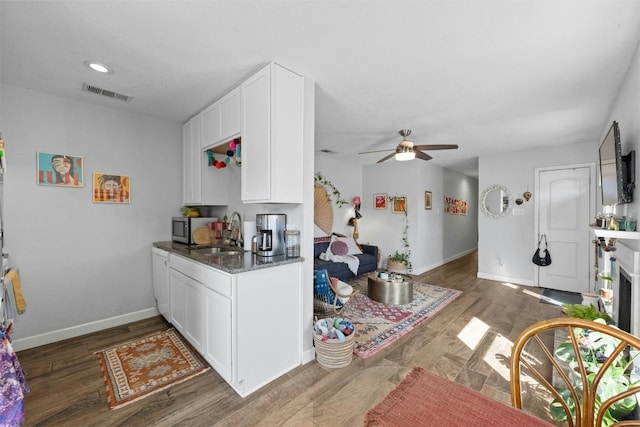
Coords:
376,151
423,156
436,147
386,157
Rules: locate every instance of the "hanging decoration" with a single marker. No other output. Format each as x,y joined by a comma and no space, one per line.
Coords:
233,155
329,186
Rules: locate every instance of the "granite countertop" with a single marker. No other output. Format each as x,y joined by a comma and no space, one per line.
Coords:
237,263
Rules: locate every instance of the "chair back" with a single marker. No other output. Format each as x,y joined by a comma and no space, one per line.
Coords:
581,372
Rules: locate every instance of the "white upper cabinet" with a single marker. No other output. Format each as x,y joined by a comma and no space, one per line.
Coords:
192,161
221,120
272,136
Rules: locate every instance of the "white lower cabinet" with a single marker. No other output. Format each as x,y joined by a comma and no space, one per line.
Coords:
178,292
194,330
160,263
187,305
268,325
247,326
217,308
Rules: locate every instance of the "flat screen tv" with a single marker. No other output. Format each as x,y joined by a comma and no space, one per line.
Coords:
617,172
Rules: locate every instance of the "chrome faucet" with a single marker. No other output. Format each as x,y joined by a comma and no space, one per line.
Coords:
235,224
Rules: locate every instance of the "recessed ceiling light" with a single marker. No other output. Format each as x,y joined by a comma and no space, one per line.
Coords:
99,67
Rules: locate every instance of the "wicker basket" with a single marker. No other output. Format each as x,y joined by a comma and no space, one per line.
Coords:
332,353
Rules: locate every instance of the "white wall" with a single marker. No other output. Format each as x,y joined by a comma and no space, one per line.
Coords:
347,178
460,233
431,237
82,262
627,113
510,240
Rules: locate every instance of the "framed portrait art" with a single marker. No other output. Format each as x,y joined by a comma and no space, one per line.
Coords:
427,199
108,188
399,205
60,170
380,201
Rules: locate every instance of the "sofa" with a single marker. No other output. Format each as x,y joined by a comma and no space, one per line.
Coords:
340,270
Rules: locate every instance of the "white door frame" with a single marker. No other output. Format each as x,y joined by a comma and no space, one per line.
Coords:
536,212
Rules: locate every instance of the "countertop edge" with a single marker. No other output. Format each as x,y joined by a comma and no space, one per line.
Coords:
241,264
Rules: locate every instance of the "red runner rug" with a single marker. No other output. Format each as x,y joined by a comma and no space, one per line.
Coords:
426,399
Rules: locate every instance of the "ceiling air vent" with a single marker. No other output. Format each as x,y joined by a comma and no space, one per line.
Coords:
107,93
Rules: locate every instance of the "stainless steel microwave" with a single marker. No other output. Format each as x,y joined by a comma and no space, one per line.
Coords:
182,228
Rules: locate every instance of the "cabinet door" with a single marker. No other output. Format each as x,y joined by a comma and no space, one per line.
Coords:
191,162
160,263
230,115
194,330
221,120
211,125
273,136
217,341
256,309
256,151
178,297
287,136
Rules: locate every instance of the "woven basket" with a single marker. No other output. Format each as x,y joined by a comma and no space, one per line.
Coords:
333,353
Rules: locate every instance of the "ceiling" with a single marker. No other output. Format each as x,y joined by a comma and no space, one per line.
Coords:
490,76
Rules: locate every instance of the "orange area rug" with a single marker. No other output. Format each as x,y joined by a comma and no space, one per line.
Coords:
138,368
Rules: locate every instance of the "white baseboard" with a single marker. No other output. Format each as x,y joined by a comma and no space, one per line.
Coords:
514,280
444,261
308,356
76,331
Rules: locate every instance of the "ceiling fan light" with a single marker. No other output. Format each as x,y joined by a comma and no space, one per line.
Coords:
405,155
99,67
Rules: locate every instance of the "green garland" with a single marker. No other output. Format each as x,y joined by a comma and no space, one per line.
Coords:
332,189
405,256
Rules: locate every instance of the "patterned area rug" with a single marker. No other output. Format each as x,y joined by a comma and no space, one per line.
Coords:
138,368
377,325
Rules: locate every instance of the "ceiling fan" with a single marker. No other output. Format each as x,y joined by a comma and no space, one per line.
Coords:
406,150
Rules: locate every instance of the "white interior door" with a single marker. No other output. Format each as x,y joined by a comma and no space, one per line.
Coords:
565,200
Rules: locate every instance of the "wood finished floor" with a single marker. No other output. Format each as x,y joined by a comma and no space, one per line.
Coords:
468,342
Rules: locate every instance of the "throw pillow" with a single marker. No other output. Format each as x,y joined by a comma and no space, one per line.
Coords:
354,249
339,248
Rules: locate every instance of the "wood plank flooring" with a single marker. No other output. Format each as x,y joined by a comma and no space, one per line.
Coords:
469,341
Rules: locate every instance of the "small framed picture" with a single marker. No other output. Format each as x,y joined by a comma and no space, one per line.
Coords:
399,205
380,201
60,170
108,188
427,199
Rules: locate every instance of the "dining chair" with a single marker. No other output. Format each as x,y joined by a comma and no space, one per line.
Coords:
596,388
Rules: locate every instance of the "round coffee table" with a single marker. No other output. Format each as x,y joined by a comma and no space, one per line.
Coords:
397,289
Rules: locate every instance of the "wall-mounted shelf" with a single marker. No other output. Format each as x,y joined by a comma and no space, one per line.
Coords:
612,234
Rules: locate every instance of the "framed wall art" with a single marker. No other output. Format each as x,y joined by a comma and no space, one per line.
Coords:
108,188
453,206
380,201
399,205
427,199
60,170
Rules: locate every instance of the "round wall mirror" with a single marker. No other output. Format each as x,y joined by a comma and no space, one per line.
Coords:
495,201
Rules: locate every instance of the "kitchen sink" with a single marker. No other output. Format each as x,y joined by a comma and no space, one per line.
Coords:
216,250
